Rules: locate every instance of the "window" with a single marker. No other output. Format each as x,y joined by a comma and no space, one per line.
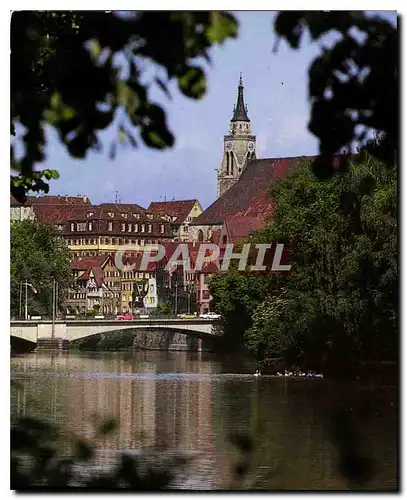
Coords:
123,226
81,226
110,226
89,226
150,216
110,214
72,226
142,243
124,216
129,228
136,216
161,228
136,228
150,228
143,227
185,229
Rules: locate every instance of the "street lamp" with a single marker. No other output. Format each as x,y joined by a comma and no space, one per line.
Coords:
26,284
54,302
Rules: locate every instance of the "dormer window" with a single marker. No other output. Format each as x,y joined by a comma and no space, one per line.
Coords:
89,226
72,226
110,226
150,216
143,228
136,228
129,228
150,227
110,214
89,214
136,216
124,216
161,228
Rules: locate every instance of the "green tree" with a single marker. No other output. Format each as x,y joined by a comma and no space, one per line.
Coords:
80,72
37,256
339,302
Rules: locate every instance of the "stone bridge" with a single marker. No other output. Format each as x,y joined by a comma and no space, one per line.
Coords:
76,329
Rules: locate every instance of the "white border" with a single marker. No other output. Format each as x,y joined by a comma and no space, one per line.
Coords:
127,5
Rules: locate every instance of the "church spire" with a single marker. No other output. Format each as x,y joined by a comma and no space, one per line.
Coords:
240,110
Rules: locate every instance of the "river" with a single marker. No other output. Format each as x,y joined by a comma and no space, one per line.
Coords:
190,403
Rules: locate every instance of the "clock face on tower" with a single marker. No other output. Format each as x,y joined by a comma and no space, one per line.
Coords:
251,146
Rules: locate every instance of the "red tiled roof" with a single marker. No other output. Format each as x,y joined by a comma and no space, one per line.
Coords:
97,274
52,200
58,214
128,207
81,264
179,209
250,195
241,227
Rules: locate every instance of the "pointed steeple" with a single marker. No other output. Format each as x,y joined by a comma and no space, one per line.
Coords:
240,110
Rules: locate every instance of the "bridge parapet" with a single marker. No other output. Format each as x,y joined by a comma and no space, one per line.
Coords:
76,329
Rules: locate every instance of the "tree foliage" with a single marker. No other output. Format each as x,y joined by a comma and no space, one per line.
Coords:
353,85
79,72
36,462
39,257
340,299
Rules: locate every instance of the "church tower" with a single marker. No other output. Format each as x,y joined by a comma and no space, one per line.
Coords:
239,146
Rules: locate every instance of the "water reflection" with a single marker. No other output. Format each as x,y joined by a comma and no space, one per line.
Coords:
186,402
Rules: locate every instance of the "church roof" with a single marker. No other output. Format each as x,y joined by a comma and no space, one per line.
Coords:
240,111
249,196
242,227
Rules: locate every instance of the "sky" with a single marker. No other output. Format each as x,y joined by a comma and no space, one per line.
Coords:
275,89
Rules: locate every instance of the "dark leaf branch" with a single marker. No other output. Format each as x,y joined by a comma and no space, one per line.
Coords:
65,73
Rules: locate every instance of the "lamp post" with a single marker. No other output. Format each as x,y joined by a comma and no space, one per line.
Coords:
20,300
54,286
26,300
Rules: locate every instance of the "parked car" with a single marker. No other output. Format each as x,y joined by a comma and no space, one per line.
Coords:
126,317
144,316
209,315
186,316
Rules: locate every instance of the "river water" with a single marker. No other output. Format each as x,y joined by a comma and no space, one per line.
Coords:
190,403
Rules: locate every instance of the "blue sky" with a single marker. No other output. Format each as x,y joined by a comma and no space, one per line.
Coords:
276,96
